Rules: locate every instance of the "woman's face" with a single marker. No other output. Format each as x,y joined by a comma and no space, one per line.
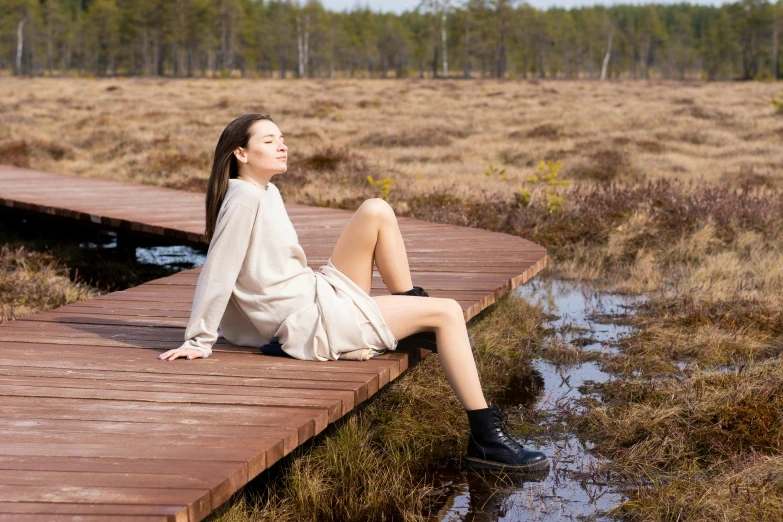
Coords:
265,152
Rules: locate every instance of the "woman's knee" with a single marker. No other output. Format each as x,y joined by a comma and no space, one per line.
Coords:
449,310
377,208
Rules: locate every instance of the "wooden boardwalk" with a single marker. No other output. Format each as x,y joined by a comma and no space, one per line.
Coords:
93,425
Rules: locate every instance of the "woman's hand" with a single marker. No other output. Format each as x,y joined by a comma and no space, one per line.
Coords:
190,353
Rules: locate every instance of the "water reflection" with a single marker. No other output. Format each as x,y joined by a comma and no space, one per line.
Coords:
586,318
571,489
175,256
487,496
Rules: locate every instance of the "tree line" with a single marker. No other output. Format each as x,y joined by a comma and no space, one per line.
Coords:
477,38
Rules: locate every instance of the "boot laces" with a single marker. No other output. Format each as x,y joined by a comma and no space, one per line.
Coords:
503,428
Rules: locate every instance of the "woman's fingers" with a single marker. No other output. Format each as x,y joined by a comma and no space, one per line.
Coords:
189,353
166,355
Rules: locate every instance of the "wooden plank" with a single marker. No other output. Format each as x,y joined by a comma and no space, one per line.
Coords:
178,478
224,478
122,312
307,422
337,402
99,378
55,509
48,517
247,363
173,449
184,296
197,501
211,470
250,450
186,368
198,434
436,281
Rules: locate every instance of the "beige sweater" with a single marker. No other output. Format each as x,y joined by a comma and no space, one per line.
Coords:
255,285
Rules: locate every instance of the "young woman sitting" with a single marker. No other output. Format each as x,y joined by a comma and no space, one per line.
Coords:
255,286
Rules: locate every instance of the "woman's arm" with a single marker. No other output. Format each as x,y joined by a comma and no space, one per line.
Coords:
215,284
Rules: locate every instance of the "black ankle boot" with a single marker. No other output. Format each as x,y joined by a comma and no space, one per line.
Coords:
491,447
416,290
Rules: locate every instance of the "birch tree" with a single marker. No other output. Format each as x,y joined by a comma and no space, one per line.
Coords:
18,13
777,27
313,44
20,43
608,53
439,10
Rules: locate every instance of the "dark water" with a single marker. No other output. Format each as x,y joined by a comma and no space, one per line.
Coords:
571,489
177,257
171,256
106,259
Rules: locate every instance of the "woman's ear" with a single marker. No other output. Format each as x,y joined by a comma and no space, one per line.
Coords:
240,154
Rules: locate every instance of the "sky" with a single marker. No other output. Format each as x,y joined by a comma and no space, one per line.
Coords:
398,6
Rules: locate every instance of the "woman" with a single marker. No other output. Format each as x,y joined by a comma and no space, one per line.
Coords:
255,286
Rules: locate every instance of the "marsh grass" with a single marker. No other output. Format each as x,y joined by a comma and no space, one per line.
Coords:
605,165
697,446
543,130
694,424
116,133
19,152
330,159
32,282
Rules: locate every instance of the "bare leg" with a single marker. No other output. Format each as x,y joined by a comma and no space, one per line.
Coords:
371,233
406,315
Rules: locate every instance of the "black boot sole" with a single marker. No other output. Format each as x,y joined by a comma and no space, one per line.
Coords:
475,463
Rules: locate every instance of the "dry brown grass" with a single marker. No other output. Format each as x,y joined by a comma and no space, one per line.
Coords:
698,441
32,282
163,131
697,446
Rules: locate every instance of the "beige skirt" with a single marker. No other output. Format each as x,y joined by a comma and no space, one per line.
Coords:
344,322
377,336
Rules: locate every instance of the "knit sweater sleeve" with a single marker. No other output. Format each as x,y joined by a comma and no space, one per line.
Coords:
225,257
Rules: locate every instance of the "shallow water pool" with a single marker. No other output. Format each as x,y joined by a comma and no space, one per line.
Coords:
571,489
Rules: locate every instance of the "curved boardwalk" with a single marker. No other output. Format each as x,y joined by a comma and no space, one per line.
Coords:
93,425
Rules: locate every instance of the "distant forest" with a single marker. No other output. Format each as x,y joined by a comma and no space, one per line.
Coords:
477,38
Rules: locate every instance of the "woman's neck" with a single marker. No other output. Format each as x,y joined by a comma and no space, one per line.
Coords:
263,184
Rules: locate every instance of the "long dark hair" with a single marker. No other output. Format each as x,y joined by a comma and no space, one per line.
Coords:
225,165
